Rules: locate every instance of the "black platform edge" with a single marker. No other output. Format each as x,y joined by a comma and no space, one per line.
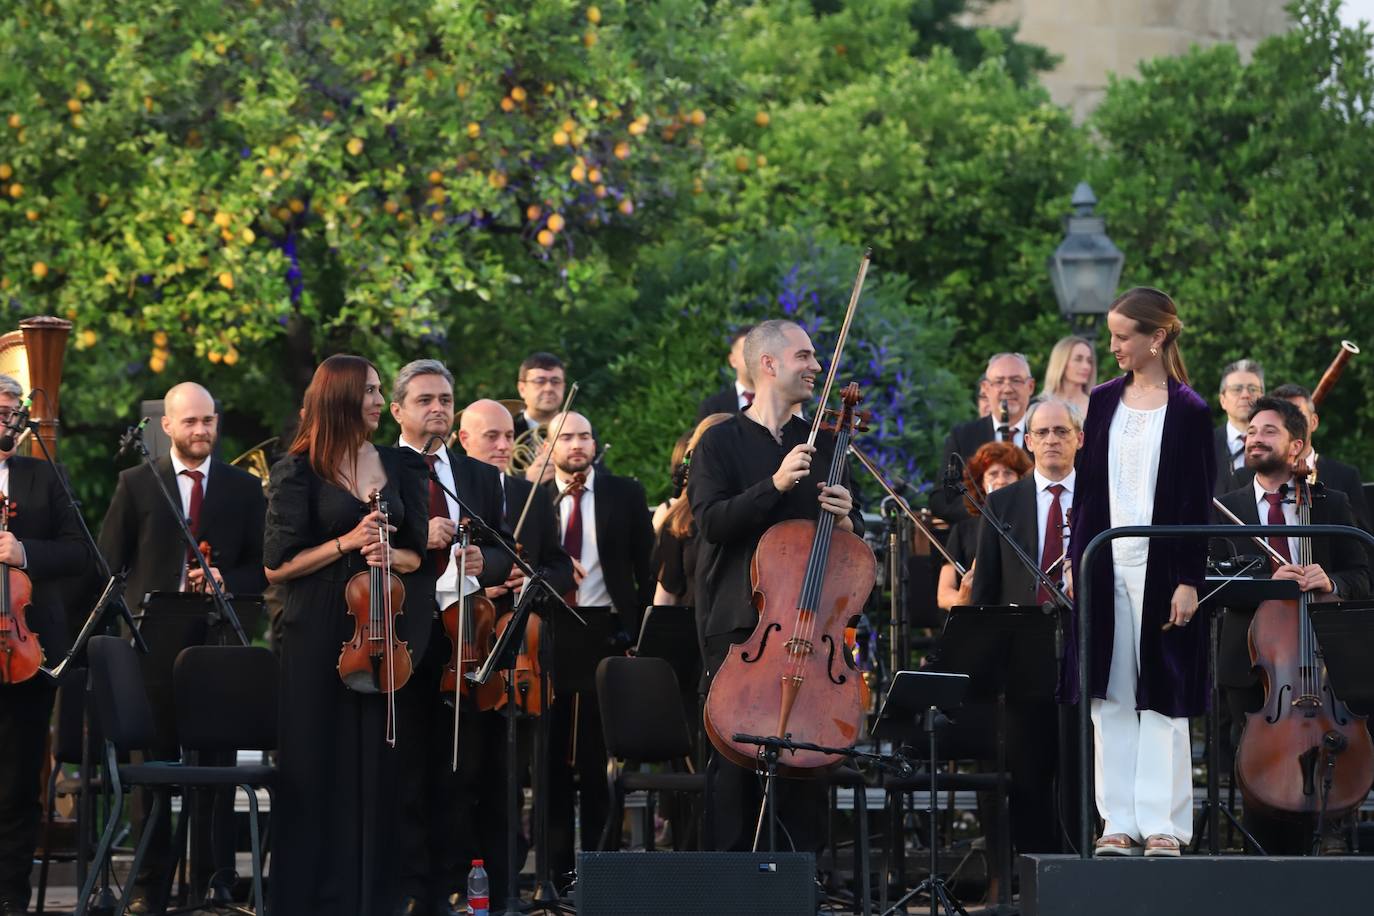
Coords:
1195,885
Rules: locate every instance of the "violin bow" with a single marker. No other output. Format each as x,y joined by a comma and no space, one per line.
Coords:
904,507
839,345
529,498
1261,542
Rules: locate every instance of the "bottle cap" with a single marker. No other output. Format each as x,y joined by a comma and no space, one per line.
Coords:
478,863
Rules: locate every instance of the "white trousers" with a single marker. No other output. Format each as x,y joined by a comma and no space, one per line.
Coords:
1142,759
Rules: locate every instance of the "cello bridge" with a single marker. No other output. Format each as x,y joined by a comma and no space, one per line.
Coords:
798,646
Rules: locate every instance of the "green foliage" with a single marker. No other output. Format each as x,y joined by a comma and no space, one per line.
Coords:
1244,189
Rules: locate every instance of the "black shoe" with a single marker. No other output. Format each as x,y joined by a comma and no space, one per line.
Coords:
140,905
410,906
452,905
221,890
13,908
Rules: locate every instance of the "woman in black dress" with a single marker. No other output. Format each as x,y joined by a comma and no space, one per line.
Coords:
335,805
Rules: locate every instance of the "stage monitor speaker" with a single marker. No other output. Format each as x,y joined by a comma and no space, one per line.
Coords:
696,883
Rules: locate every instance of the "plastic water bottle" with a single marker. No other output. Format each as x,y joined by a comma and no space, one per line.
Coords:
479,900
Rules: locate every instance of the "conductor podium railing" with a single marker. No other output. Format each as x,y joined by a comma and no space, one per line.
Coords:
1083,600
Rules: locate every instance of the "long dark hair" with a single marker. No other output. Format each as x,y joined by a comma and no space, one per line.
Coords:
332,428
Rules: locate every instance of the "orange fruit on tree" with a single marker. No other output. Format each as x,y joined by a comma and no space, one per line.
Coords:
474,130
507,104
40,270
5,171
556,222
545,237
518,93
73,105
560,138
594,15
355,146
226,279
762,119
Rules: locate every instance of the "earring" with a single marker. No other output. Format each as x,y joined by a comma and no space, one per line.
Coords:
1154,351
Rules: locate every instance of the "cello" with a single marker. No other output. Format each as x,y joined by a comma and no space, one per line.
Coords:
20,653
376,659
794,676
1304,753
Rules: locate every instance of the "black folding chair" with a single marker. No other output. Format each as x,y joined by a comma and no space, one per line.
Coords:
643,722
66,750
126,720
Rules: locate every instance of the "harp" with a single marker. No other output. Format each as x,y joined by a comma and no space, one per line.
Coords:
33,356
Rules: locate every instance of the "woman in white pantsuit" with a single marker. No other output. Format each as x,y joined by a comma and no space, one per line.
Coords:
1147,459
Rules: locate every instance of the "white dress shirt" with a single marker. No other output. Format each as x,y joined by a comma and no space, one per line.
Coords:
5,489
184,486
592,592
1018,431
446,589
741,401
1290,515
1044,499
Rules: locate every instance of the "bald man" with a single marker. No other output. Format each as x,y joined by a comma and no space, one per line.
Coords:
225,507
486,430
604,525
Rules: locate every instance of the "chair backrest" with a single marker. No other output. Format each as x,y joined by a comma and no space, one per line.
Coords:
226,698
641,709
71,708
122,710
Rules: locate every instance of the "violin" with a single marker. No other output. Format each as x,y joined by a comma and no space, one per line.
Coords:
1304,753
794,676
376,659
20,653
529,680
470,623
192,564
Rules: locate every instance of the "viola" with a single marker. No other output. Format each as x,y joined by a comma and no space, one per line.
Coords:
794,675
193,564
376,659
21,655
1304,753
529,680
470,623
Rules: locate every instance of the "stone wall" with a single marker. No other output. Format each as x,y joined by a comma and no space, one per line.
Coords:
1097,37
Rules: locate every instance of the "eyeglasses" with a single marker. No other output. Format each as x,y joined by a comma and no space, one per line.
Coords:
1243,389
1015,381
541,381
1048,432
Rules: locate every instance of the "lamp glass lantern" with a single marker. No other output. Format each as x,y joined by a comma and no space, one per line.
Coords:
1086,267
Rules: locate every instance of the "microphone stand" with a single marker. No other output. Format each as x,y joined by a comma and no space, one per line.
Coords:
503,656
111,597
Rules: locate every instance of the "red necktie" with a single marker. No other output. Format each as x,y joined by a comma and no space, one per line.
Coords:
197,500
1275,501
438,508
572,535
1054,538
748,398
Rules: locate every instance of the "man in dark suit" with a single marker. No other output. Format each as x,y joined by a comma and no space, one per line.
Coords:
1037,509
1275,437
44,540
1008,379
1332,474
605,528
225,507
1242,383
450,817
740,393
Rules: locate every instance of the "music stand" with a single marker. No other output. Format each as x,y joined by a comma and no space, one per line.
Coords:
925,697
669,631
1345,633
1002,648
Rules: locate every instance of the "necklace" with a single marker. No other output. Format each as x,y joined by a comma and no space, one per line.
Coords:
1139,391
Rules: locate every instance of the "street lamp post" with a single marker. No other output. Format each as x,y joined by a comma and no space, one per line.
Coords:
1086,267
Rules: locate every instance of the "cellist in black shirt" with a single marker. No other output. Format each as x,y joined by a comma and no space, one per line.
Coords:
748,473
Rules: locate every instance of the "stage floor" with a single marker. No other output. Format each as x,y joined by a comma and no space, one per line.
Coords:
1195,885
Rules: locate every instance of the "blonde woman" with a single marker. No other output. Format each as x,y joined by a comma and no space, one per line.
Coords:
1072,372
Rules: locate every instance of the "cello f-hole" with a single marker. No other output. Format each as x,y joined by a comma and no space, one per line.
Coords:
1278,706
763,644
830,661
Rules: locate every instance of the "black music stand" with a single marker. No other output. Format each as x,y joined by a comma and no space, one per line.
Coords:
1005,649
920,700
1236,591
1345,632
170,622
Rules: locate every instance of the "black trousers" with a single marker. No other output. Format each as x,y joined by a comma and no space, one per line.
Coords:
576,767
801,804
25,710
450,818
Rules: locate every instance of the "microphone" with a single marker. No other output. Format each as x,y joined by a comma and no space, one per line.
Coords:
131,435
14,426
954,474
429,442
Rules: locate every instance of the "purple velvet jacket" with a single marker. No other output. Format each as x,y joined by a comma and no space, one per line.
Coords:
1173,665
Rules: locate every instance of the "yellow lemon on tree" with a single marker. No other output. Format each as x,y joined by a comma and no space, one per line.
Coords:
355,146
40,270
88,339
222,219
188,217
560,138
594,15
226,279
248,236
474,130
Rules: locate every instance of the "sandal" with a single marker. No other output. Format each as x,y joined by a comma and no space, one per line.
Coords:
1117,844
1164,845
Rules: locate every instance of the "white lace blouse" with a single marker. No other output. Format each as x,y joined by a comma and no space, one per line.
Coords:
1133,443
